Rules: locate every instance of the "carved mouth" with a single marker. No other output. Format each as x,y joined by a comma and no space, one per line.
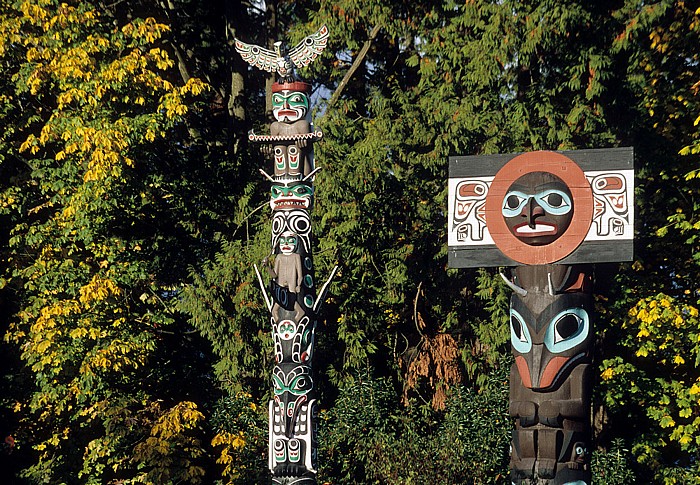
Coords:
291,203
540,229
287,113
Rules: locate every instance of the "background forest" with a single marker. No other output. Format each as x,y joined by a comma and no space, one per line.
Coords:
136,346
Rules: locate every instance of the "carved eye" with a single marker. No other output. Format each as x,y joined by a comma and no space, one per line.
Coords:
519,334
300,385
567,330
278,383
299,222
301,190
566,327
278,223
518,329
555,202
513,203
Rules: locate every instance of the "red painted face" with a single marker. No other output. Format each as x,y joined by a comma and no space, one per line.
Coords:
537,208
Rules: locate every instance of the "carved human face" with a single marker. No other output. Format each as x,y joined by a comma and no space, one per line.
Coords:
288,243
289,106
538,208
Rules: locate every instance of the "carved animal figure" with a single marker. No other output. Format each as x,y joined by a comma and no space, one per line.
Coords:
275,61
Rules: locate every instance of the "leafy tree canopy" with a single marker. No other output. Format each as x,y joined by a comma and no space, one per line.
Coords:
136,346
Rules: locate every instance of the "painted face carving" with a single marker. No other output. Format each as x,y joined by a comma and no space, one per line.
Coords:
538,208
548,345
292,196
289,106
288,243
291,385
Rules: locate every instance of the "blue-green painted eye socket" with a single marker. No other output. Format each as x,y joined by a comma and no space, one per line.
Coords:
567,330
278,384
302,190
294,100
514,202
300,386
554,201
277,100
519,334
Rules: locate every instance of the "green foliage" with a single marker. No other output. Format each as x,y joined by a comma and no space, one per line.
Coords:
86,257
612,467
368,437
241,439
131,214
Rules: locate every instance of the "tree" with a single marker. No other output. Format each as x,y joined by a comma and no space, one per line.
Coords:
132,213
97,224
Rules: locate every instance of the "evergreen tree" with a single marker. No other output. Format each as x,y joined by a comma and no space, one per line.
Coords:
136,343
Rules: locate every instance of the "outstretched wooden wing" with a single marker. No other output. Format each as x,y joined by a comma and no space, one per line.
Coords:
309,49
257,56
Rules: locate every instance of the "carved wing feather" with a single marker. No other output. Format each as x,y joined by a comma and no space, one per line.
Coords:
309,49
257,56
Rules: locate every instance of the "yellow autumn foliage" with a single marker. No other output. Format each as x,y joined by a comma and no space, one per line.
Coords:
230,443
668,334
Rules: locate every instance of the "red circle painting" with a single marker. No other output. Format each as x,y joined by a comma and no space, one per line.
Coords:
562,203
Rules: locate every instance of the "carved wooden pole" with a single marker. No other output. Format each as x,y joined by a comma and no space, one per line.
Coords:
550,215
291,295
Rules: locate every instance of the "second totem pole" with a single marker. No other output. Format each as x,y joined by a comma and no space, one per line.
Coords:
291,295
549,216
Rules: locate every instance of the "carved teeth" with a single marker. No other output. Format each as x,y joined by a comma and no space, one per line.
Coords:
291,204
539,229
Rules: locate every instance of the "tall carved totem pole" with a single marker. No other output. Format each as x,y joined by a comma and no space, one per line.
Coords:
550,216
291,295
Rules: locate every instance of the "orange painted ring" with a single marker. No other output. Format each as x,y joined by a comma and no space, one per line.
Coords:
572,175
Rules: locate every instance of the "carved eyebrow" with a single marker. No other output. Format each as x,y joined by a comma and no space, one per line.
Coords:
554,184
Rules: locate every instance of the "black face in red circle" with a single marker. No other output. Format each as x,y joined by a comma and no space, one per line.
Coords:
537,208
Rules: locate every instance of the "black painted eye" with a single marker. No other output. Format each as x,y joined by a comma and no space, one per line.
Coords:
512,202
566,327
278,223
299,223
554,200
519,335
517,328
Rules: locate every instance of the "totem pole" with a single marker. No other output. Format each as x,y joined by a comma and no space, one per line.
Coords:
291,294
550,216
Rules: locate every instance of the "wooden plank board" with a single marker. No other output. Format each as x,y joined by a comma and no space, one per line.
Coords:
601,183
